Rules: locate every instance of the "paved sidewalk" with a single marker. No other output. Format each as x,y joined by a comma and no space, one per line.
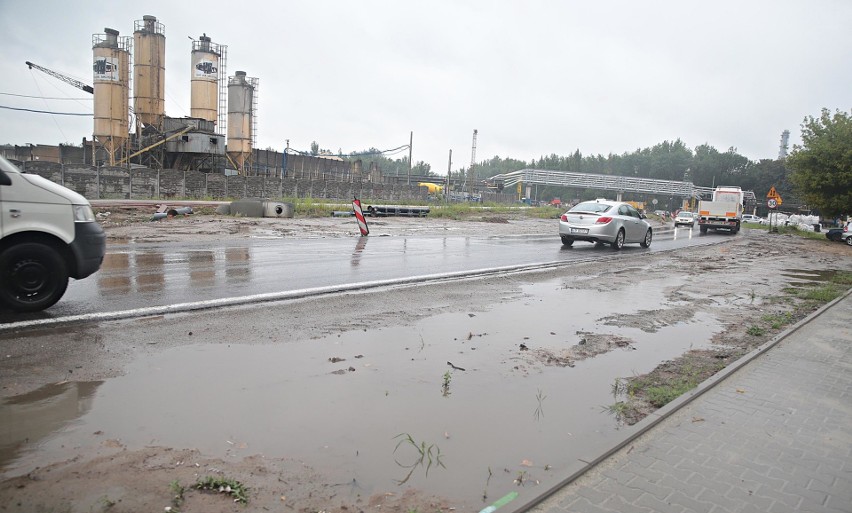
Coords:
774,436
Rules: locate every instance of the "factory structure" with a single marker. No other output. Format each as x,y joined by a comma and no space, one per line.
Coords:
131,129
137,150
220,133
156,140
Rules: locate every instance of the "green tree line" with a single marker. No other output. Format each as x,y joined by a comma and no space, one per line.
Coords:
816,176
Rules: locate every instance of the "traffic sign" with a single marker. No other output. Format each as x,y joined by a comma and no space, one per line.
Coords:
773,195
772,203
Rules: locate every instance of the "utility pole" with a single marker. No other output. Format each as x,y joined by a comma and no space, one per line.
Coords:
470,173
449,171
410,144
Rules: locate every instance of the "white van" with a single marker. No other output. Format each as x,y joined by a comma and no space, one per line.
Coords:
49,234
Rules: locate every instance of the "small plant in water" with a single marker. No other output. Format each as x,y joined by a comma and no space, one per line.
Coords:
539,411
427,455
445,386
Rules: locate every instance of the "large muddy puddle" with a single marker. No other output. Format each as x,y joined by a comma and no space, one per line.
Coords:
469,406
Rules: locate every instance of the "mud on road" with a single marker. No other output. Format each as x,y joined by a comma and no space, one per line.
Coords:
745,288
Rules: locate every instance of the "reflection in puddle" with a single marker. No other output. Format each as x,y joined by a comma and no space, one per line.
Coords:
812,275
340,403
29,418
238,269
145,272
202,272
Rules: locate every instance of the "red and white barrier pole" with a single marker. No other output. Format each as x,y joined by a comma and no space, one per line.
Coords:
359,215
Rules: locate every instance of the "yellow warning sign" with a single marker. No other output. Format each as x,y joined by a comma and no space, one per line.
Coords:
773,194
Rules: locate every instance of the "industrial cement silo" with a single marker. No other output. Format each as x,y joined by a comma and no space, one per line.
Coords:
112,92
242,119
149,71
207,97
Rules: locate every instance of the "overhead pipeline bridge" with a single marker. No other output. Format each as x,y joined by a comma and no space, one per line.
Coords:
616,183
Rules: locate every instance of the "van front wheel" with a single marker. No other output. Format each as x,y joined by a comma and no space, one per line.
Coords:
33,276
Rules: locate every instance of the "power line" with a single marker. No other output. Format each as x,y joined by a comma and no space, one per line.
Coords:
378,152
45,97
47,111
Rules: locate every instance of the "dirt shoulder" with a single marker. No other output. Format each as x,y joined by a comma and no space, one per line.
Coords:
755,285
134,223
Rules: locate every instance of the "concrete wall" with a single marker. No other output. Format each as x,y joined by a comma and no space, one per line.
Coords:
144,183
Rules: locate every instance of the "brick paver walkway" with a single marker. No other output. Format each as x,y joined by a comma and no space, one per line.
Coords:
775,436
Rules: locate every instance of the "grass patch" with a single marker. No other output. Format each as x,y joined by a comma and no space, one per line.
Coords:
662,395
230,487
672,379
819,293
789,230
778,321
755,331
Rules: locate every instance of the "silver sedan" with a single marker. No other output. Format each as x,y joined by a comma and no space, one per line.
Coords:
605,222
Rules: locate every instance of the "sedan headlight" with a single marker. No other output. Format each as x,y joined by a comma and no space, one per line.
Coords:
83,214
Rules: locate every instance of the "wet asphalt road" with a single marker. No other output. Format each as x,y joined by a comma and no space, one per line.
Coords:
152,275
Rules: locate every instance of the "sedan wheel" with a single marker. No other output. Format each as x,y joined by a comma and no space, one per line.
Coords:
647,242
567,241
849,240
618,243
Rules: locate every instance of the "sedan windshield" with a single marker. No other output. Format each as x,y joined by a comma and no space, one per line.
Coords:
591,207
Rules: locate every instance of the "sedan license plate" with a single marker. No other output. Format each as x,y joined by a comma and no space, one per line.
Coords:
579,230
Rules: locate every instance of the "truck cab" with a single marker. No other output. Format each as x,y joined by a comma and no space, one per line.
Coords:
48,234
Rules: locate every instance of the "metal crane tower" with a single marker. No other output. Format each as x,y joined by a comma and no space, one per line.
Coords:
470,174
76,83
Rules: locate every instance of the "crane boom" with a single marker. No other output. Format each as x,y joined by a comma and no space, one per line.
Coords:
76,83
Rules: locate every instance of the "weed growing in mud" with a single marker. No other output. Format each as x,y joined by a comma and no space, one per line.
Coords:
755,331
778,321
427,456
307,207
621,410
106,502
230,487
664,384
662,395
177,490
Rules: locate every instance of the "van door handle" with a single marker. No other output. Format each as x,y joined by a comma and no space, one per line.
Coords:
15,212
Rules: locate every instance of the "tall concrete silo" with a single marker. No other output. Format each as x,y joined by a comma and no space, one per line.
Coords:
242,107
111,69
206,79
149,71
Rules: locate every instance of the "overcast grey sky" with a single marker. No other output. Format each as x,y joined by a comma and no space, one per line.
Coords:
534,77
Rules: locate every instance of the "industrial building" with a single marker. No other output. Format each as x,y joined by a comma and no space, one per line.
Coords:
219,135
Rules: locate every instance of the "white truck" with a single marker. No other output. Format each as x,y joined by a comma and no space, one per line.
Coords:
48,234
724,212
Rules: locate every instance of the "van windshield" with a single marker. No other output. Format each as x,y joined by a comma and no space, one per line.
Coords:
7,166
